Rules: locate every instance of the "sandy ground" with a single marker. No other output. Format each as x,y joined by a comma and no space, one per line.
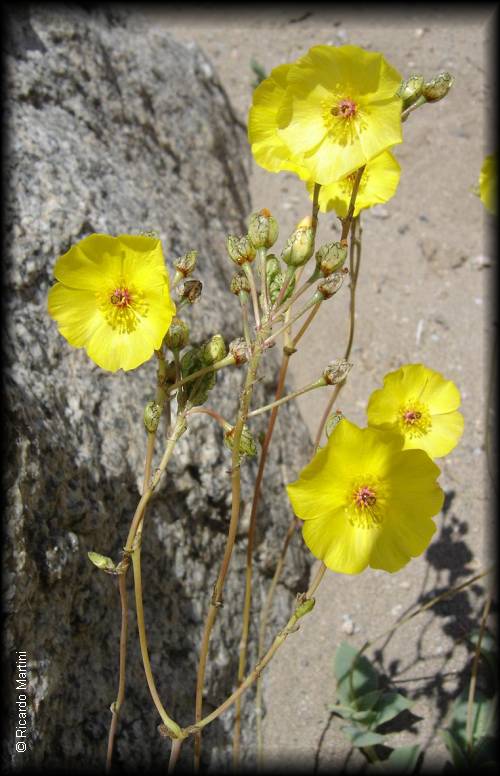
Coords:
423,297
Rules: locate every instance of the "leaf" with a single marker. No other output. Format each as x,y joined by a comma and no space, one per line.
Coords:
360,737
458,756
483,713
353,683
403,760
390,705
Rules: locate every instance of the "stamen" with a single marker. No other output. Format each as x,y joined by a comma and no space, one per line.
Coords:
414,419
366,502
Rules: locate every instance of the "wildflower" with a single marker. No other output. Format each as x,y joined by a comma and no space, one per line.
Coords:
488,183
378,184
340,110
112,298
365,501
421,405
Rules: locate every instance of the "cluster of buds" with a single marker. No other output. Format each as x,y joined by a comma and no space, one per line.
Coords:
276,278
262,229
240,249
415,91
300,245
330,258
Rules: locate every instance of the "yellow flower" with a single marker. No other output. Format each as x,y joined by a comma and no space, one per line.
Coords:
268,148
488,183
339,110
365,501
378,184
113,299
422,406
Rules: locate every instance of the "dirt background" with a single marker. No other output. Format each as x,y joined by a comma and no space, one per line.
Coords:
423,296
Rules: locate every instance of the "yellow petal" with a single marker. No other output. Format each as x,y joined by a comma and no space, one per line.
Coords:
76,313
342,547
446,432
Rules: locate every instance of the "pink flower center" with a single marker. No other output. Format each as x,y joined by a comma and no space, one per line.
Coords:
365,497
347,108
121,297
412,416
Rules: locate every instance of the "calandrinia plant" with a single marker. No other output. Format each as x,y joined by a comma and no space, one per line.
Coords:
369,496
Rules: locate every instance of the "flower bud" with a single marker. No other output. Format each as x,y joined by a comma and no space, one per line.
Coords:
247,443
262,229
238,348
102,562
276,278
152,415
177,336
331,257
240,249
240,284
214,350
337,371
332,422
438,87
186,264
330,285
305,607
190,290
410,89
300,245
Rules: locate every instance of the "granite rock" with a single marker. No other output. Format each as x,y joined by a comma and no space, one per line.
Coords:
113,127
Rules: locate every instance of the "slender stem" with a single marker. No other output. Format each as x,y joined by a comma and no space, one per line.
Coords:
174,754
247,268
278,641
244,316
216,601
316,275
346,222
262,637
288,277
417,104
354,263
262,260
469,733
315,206
209,411
227,361
320,383
299,314
115,709
169,723
306,324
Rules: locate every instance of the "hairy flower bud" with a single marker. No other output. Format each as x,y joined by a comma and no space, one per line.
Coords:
102,562
337,371
190,290
177,336
238,348
262,229
214,350
331,257
240,284
332,422
247,443
410,89
330,285
299,246
305,607
152,415
185,264
240,249
276,278
438,87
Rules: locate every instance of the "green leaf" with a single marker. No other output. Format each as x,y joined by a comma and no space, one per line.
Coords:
458,756
403,760
345,712
390,705
353,683
359,737
483,715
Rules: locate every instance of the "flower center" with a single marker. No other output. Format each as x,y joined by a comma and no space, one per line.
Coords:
345,108
414,419
341,115
366,502
122,305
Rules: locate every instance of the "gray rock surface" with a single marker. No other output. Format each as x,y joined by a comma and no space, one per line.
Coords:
113,127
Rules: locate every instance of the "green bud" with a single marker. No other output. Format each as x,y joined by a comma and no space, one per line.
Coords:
438,87
337,371
276,278
214,350
152,415
247,442
149,233
186,264
262,229
196,391
177,336
299,247
331,257
330,285
332,422
102,562
410,89
240,249
305,607
240,284
238,348
190,290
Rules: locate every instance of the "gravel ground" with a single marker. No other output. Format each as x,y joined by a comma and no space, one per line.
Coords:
423,296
